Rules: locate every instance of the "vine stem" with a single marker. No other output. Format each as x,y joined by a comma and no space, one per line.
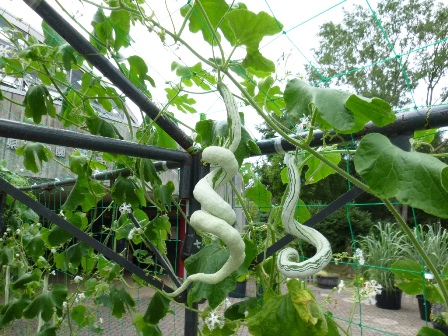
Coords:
44,290
243,207
417,246
296,142
7,281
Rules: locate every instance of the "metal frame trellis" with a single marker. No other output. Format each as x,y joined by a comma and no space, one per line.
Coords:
189,162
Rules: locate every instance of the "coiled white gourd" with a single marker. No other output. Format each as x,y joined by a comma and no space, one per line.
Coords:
216,215
287,260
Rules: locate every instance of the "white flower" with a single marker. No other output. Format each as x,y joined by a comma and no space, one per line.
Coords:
359,255
341,286
53,250
214,320
429,276
1,239
17,255
100,321
18,231
125,207
53,272
8,229
77,279
64,304
361,261
57,180
61,213
303,124
131,233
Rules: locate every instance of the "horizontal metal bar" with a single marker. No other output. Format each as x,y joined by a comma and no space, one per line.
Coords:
91,54
61,137
106,175
406,123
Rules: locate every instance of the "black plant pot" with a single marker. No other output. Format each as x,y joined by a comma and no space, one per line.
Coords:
328,282
424,306
443,329
389,300
239,291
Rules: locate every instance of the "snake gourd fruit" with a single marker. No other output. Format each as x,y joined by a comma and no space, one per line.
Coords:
217,216
287,258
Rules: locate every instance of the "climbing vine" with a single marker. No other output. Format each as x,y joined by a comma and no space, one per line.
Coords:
30,253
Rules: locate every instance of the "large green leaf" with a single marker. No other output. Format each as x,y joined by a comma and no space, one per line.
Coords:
249,29
82,316
295,313
428,331
270,96
58,236
45,303
38,102
261,196
127,190
86,193
138,72
120,299
34,245
6,255
181,101
214,9
33,154
209,260
121,21
148,171
415,179
343,111
157,309
409,276
76,252
99,126
145,328
13,310
26,278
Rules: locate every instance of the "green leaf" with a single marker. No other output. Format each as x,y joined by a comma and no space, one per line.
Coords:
425,135
44,303
409,276
34,247
86,193
138,72
121,21
427,331
215,10
76,252
13,310
99,126
58,236
260,196
163,193
343,111
26,278
269,96
295,313
209,260
157,309
127,190
317,170
6,255
47,330
163,139
120,299
194,75
415,179
82,316
237,311
149,172
33,154
144,328
249,29
38,102
181,102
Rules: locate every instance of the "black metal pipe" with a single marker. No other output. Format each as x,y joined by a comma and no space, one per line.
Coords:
106,175
405,124
60,137
91,54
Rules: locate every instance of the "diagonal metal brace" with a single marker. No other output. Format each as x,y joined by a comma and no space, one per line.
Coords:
317,218
82,236
166,266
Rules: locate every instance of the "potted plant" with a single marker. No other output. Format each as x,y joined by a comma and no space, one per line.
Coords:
439,318
327,280
384,245
412,274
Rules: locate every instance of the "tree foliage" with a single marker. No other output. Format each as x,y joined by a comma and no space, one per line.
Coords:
386,47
